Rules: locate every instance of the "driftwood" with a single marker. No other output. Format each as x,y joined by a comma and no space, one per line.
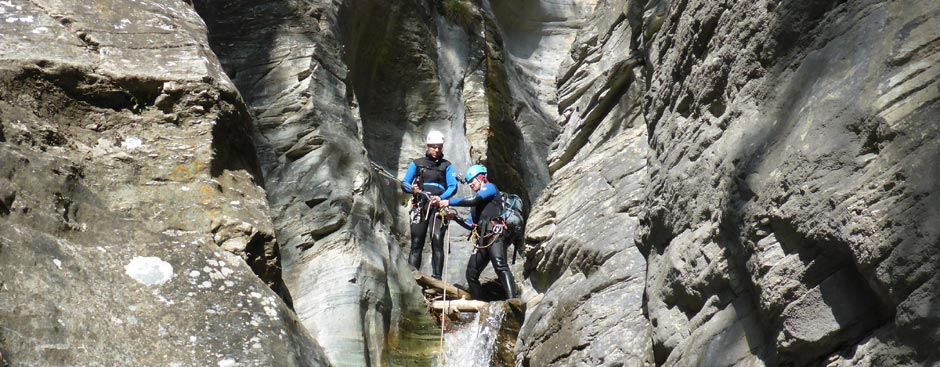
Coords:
462,305
429,282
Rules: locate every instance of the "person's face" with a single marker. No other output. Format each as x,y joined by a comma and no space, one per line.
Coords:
435,150
476,183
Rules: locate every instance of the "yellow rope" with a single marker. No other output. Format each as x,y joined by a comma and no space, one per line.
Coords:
475,236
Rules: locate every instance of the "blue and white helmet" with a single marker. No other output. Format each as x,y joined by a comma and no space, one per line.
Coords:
473,171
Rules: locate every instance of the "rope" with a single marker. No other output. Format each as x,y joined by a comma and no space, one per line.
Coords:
381,170
444,276
475,237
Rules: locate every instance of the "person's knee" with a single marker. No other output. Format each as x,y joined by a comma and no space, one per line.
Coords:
472,274
500,264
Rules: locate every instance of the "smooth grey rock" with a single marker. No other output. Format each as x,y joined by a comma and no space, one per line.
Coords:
339,103
129,231
535,38
773,160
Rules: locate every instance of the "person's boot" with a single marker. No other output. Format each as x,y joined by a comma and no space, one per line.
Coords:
414,259
437,265
475,289
509,284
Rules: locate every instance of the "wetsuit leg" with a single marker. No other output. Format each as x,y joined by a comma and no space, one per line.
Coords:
418,233
437,245
497,254
475,266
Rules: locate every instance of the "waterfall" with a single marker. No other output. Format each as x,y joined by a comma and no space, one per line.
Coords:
473,344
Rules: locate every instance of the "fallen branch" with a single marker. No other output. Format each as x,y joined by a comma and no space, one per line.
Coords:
452,291
462,305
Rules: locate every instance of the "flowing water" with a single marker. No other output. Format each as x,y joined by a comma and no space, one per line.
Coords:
473,344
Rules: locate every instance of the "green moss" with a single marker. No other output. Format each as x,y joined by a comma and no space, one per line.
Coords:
462,12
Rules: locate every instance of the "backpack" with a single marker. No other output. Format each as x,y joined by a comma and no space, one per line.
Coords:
511,212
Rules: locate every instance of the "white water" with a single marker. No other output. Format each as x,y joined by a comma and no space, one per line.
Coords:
474,343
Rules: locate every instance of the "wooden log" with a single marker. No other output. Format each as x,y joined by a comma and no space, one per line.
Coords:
452,291
462,305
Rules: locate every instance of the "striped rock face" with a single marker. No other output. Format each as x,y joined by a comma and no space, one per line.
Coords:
708,183
133,230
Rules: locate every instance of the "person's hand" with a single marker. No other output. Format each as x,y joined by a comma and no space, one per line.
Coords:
435,200
415,189
443,203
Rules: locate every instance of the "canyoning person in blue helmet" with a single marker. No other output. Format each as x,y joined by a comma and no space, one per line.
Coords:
490,235
429,176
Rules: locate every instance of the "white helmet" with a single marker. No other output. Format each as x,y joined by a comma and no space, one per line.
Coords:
435,137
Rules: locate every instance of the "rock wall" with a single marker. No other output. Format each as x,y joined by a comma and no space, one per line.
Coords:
533,38
583,261
713,182
786,193
131,216
790,184
334,213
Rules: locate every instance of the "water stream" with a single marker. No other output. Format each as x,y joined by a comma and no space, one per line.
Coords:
473,344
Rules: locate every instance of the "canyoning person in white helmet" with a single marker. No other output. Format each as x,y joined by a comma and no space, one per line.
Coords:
429,176
490,235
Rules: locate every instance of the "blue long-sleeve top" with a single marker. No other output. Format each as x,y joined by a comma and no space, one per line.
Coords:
477,202
432,187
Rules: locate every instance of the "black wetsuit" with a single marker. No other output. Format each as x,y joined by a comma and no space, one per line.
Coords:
435,177
492,242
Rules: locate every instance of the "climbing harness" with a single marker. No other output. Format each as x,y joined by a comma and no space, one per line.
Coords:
497,228
418,203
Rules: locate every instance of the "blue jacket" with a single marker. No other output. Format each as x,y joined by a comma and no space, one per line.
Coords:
480,204
436,176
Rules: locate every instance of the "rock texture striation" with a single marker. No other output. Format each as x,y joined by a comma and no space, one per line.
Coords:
583,261
131,219
790,173
791,181
334,212
717,183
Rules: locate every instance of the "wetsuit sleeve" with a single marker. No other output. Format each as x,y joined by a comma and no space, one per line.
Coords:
451,183
464,222
486,193
409,177
471,200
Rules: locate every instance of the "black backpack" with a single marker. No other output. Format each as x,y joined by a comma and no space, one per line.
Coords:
511,213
